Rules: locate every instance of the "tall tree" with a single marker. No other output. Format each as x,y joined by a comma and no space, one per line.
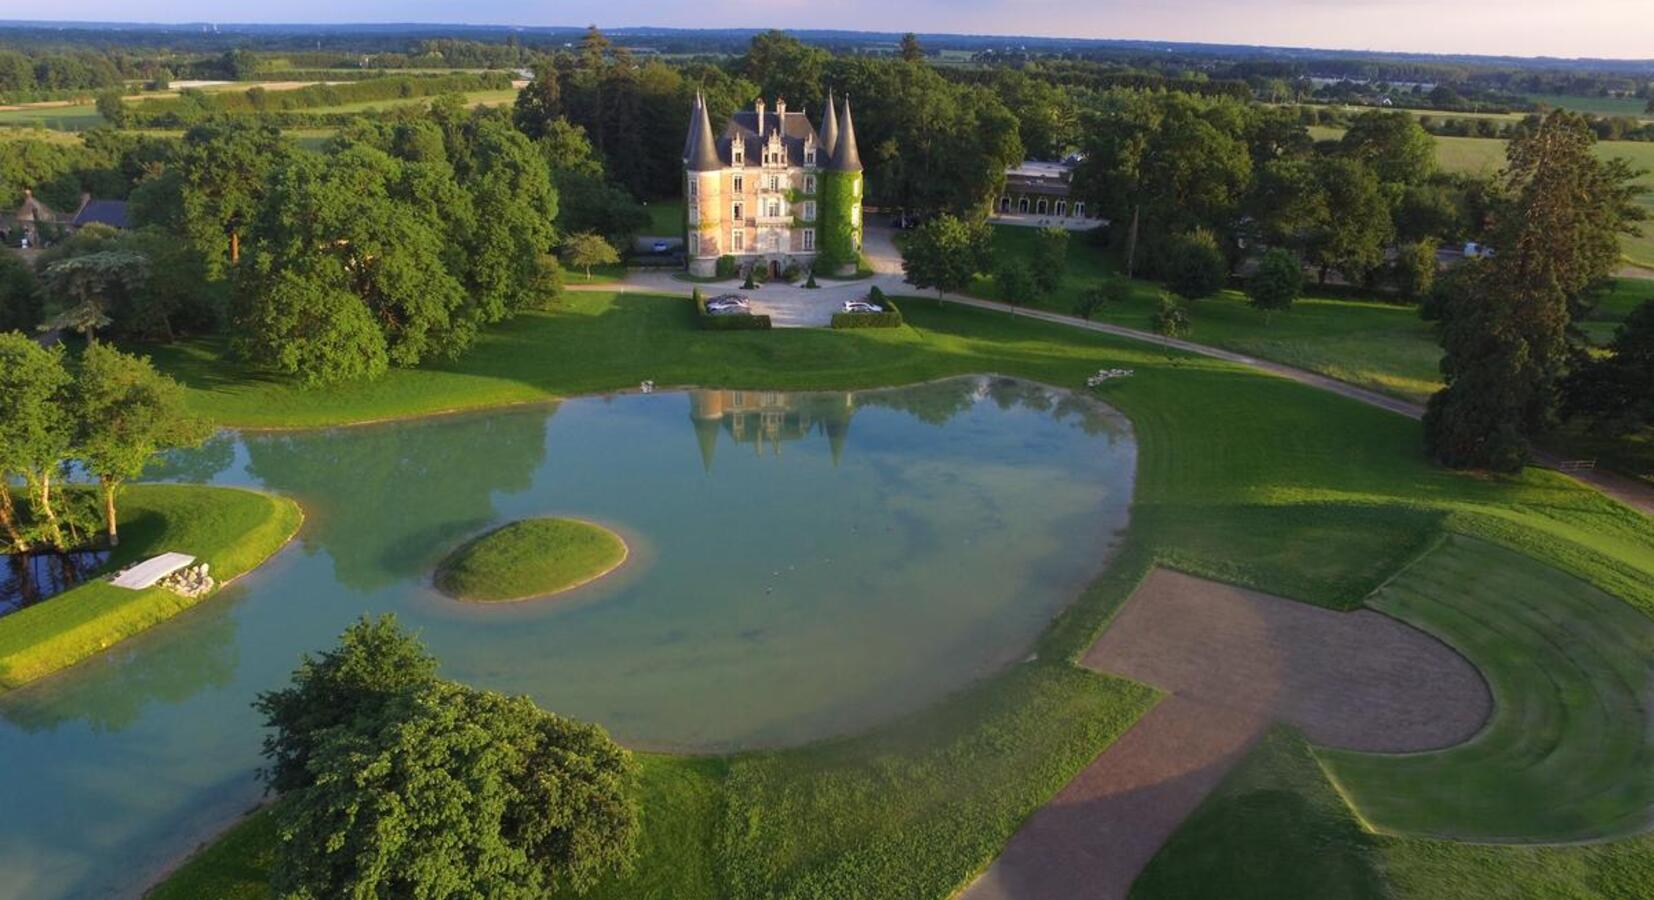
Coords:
125,412
1397,148
1615,393
82,290
35,435
1505,338
401,784
1277,283
586,249
911,51
222,173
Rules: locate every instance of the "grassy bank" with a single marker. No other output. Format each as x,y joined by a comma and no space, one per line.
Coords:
1242,476
232,530
1382,346
530,558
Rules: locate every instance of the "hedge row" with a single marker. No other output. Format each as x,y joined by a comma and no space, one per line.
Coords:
890,318
709,322
317,96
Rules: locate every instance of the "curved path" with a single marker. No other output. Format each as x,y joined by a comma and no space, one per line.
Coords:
1232,662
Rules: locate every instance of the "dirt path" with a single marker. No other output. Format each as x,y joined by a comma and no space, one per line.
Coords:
1232,662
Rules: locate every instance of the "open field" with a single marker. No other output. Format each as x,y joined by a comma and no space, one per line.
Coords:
1243,477
73,117
501,97
1602,106
232,530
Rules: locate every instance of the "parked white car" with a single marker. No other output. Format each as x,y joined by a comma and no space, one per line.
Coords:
728,304
861,306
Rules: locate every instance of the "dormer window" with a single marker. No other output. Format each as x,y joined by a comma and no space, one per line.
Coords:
809,154
738,152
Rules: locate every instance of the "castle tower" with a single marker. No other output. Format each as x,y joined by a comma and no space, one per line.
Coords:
829,128
703,193
839,246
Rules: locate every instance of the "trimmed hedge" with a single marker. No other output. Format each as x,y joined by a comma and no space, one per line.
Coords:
890,318
709,322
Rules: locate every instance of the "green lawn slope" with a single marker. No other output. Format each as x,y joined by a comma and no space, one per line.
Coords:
232,530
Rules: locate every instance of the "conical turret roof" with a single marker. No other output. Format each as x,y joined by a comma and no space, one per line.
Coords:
702,155
845,156
829,129
689,133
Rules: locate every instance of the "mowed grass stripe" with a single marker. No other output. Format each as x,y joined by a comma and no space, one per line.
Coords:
1568,755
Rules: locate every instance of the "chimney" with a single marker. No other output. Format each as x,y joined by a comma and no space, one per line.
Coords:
781,111
760,108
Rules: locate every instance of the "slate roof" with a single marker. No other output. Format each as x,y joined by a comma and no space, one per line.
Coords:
794,128
109,212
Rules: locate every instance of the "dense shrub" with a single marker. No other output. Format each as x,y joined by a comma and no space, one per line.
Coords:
725,267
1194,265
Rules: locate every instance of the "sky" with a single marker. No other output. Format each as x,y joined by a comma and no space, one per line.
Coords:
1594,28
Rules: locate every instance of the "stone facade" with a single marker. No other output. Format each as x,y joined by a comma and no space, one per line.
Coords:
757,192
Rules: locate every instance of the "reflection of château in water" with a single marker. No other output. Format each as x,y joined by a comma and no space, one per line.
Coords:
766,419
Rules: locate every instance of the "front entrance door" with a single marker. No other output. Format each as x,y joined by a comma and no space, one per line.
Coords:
775,269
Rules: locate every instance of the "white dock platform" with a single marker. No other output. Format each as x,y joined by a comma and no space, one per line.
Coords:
151,570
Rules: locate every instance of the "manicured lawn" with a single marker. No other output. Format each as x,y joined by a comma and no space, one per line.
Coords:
1569,753
1382,346
1274,828
665,218
530,558
231,530
1242,476
236,866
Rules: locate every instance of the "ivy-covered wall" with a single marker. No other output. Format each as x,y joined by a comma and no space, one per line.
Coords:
836,236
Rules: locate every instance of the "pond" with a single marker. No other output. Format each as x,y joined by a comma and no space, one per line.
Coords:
803,565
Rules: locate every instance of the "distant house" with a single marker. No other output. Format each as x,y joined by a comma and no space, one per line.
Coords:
103,212
31,215
1036,191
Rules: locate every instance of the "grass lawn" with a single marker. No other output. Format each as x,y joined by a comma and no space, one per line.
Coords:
1276,828
1382,346
530,558
1569,753
665,218
1242,476
232,530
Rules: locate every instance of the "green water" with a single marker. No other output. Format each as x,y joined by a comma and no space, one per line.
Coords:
802,566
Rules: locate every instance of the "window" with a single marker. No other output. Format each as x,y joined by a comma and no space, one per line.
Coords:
774,209
809,184
740,184
1005,204
809,210
737,210
855,216
694,245
809,156
809,239
738,152
1079,209
694,214
1022,205
775,182
693,183
1062,207
738,240
1039,207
